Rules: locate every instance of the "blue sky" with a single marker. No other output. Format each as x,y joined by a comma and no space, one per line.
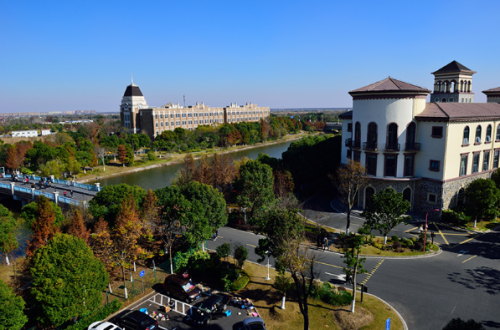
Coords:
75,55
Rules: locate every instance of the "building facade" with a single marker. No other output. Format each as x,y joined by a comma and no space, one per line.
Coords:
429,152
137,116
30,133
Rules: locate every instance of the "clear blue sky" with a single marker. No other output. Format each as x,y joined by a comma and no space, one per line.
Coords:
71,55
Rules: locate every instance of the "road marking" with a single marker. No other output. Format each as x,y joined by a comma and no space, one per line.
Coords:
319,262
467,240
251,245
406,231
439,230
340,277
372,272
468,259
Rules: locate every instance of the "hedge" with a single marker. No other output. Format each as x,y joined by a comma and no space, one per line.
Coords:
95,316
241,282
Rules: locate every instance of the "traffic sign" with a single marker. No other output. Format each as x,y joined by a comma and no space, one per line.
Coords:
388,324
141,274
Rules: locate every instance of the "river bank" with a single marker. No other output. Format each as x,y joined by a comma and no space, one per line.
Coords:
114,171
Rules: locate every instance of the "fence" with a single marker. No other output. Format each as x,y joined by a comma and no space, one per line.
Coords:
68,200
65,182
4,185
49,195
22,189
179,306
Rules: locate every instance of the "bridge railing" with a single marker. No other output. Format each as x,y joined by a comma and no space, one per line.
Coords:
4,185
22,189
49,195
68,200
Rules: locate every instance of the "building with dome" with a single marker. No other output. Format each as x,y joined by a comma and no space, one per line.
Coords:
429,152
137,117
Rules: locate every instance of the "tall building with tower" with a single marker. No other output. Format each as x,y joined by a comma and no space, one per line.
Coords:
453,83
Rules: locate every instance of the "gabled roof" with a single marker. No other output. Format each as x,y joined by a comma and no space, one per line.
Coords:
460,112
390,85
132,90
492,91
453,67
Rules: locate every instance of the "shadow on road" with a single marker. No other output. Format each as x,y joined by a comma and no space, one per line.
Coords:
478,278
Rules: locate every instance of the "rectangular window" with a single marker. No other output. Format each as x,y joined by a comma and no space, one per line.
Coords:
409,162
432,198
390,165
349,153
156,124
178,123
437,131
486,161
161,124
183,122
183,115
156,116
172,123
371,164
196,122
434,165
357,156
171,115
166,123
475,163
495,159
463,165
161,116
190,115
190,122
177,115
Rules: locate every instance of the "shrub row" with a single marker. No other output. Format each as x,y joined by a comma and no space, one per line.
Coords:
97,315
242,280
330,295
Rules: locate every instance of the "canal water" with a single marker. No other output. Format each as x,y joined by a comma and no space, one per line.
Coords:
160,177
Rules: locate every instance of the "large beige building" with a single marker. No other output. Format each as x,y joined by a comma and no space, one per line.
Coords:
137,116
427,151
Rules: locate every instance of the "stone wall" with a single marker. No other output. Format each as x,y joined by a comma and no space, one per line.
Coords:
451,188
379,185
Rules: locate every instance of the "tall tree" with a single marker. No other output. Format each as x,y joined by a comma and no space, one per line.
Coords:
77,227
350,179
11,159
122,154
354,264
386,211
483,199
29,212
43,227
67,280
12,315
283,183
102,244
8,241
186,173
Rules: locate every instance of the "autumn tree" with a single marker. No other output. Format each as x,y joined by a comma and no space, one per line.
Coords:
77,228
122,154
186,173
43,227
8,241
102,244
350,178
11,158
283,183
223,173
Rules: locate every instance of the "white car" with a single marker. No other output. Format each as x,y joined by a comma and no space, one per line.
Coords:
103,325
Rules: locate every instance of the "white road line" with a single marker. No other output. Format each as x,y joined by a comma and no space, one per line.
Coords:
462,252
340,277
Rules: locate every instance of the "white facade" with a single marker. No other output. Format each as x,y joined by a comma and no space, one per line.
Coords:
31,133
45,132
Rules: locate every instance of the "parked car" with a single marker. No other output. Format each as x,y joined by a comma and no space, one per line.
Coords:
214,305
136,320
103,325
254,323
181,288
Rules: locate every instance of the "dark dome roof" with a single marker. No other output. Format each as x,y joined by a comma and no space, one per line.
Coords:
132,90
454,67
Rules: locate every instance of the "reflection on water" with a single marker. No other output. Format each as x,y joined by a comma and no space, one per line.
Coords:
23,234
162,176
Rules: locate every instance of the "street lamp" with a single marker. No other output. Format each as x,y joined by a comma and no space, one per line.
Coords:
267,278
425,235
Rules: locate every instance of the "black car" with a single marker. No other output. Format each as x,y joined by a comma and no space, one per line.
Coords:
214,305
135,320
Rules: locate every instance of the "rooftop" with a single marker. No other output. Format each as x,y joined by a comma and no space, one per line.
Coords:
390,85
460,111
132,90
492,91
453,67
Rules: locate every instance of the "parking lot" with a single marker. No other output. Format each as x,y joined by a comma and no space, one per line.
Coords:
179,318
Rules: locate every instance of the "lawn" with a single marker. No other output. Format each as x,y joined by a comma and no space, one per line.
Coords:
482,225
370,250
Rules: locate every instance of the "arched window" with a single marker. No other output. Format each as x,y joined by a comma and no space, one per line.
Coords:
392,137
466,136
357,134
478,134
436,100
488,134
462,100
498,133
369,192
410,136
443,100
407,194
372,136
460,196
450,100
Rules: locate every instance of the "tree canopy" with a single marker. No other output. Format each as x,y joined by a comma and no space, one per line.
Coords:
483,199
11,309
28,213
8,224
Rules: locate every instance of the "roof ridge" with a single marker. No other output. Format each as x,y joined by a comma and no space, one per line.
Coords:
377,83
439,107
394,82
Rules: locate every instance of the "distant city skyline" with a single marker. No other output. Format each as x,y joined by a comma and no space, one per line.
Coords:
59,56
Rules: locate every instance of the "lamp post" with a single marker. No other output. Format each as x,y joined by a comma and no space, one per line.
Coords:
425,235
267,278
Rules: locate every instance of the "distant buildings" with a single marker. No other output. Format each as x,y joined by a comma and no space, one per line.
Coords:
51,113
30,133
137,116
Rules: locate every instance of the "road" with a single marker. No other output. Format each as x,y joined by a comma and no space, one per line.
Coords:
462,281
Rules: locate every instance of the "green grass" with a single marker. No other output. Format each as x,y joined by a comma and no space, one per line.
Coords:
370,250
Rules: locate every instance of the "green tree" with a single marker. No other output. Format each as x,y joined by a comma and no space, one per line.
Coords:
483,199
240,254
199,208
8,241
255,186
129,159
107,202
67,280
386,211
354,264
53,167
11,309
283,284
28,213
223,251
459,324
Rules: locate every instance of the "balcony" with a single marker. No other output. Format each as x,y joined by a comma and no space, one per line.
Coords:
352,144
392,147
412,146
370,146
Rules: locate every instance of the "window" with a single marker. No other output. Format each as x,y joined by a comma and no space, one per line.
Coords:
177,115
498,133
166,123
465,141
156,116
372,136
392,137
349,153
478,135
156,124
190,122
161,124
371,164
357,156
184,115
172,123
432,198
486,161
171,115
390,165
183,122
437,131
357,135
463,165
196,122
434,165
495,158
410,136
161,116
475,163
409,162
190,115
488,134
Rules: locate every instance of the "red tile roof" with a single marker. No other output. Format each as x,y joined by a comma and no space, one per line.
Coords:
492,91
390,84
453,67
460,111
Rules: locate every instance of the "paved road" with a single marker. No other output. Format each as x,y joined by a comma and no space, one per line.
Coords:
463,281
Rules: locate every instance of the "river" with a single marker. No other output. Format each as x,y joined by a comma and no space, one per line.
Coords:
160,177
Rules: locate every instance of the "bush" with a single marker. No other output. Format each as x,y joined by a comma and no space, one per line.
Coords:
241,255
242,280
414,239
455,216
395,238
404,239
151,155
409,244
418,246
331,295
379,246
98,315
396,245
